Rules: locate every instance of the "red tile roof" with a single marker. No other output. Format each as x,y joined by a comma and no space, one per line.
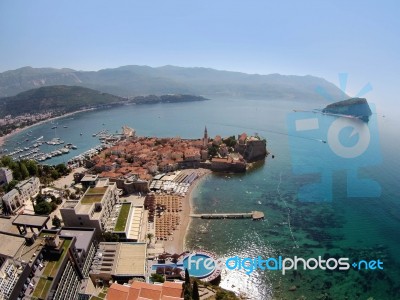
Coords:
145,291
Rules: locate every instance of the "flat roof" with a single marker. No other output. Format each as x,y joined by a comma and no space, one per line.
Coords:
89,178
83,237
93,195
10,244
7,226
131,259
31,220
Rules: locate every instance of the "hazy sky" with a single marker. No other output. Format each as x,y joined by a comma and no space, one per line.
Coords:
321,38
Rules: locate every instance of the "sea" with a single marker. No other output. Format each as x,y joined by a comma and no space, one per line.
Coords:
313,206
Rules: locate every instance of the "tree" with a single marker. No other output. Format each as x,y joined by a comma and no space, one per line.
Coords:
54,174
43,208
58,200
56,222
187,288
32,167
62,169
110,237
24,170
230,141
150,236
11,185
195,293
157,278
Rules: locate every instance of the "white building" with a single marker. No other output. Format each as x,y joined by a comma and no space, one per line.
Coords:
94,208
5,176
23,191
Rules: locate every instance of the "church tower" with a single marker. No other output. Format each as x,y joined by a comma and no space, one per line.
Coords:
205,138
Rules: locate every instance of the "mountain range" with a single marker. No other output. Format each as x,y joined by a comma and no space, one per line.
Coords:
133,80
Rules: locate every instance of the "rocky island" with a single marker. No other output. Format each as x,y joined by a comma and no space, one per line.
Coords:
355,107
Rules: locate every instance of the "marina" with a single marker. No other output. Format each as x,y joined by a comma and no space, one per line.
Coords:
40,149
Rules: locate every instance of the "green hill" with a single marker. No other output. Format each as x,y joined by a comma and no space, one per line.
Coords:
60,99
63,99
357,107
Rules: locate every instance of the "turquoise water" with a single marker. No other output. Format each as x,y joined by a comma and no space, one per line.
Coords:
358,228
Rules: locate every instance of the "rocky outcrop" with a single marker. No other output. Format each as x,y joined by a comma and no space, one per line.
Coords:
356,107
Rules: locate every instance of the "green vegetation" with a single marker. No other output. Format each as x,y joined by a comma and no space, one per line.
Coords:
59,99
43,208
149,236
122,217
357,107
90,199
42,288
96,190
24,169
191,291
110,237
53,266
213,150
157,278
56,222
230,141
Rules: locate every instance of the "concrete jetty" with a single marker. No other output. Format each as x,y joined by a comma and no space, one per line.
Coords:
255,215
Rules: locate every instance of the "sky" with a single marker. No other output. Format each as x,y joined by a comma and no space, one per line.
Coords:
320,38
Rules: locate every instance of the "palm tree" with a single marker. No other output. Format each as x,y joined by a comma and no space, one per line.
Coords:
150,236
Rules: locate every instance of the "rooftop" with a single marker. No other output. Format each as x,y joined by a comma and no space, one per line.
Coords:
93,195
50,271
120,259
90,199
31,220
83,236
131,258
10,244
141,290
122,217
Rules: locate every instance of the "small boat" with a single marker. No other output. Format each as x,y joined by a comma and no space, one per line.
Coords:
65,126
54,127
259,202
81,133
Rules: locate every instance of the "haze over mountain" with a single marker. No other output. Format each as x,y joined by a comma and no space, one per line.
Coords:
130,81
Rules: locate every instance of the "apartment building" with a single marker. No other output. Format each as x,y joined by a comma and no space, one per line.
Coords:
48,265
23,192
94,208
5,176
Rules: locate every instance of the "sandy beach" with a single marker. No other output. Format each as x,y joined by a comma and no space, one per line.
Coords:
14,132
177,245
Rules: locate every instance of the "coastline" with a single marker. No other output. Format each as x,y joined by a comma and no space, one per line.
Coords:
177,245
4,138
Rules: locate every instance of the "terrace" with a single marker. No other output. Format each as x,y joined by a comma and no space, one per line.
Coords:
93,195
49,272
123,217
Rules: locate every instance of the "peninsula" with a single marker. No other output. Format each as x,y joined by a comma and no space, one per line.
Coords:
148,156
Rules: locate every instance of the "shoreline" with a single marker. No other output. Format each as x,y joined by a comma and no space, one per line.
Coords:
4,138
177,245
